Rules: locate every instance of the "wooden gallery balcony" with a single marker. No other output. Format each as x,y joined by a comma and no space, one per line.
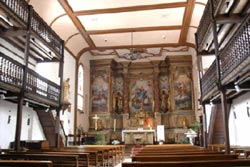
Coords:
37,87
233,33
23,28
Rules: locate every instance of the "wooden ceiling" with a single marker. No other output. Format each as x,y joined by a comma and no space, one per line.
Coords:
113,27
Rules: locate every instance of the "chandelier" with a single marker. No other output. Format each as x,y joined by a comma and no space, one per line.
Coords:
135,53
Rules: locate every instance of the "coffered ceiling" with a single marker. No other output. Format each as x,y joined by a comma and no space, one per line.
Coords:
112,27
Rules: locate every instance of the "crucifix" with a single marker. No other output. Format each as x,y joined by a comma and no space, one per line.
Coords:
95,118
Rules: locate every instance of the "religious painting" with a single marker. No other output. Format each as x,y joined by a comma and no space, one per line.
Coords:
182,83
99,91
149,122
141,95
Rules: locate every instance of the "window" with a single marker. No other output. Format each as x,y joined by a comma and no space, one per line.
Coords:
80,96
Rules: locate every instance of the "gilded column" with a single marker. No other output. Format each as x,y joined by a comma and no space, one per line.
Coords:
156,100
126,86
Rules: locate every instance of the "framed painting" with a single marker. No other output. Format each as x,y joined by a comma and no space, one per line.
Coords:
141,95
182,88
99,91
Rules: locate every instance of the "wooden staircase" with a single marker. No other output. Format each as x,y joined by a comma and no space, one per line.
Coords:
49,127
216,129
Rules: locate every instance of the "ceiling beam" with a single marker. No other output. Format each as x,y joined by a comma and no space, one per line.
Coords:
206,53
76,22
138,29
140,46
229,19
130,8
13,33
186,21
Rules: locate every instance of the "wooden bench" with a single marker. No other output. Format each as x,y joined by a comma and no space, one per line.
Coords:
96,158
57,160
83,158
243,151
115,152
107,154
148,158
178,152
25,163
203,163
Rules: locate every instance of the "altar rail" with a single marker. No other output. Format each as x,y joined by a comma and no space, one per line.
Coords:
37,87
21,10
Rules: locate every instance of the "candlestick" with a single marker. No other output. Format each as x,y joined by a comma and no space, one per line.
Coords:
114,125
153,105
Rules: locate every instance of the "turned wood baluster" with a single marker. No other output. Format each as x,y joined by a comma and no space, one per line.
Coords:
1,68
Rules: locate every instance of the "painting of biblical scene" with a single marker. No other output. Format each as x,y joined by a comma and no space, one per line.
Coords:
141,95
183,88
99,92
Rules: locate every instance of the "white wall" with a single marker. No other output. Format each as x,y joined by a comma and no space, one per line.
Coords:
69,72
33,131
238,127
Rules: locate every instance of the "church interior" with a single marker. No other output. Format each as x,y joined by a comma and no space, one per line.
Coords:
90,79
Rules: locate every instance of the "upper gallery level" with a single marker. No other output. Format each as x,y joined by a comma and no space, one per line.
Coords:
224,31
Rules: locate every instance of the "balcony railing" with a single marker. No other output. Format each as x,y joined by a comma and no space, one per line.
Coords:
11,72
204,28
37,87
208,81
234,57
20,8
237,50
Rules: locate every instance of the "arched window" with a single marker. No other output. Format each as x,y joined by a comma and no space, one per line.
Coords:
80,93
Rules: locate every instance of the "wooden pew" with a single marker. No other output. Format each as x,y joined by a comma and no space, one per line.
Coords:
178,153
57,160
148,158
115,152
243,151
25,163
107,154
96,157
92,155
83,158
203,163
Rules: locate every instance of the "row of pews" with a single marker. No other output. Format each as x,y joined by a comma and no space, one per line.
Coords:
182,155
75,156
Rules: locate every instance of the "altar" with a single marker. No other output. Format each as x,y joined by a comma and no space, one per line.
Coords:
139,136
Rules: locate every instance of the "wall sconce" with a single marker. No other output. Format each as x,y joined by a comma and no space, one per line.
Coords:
235,117
9,119
47,110
27,104
28,120
248,114
211,103
237,87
